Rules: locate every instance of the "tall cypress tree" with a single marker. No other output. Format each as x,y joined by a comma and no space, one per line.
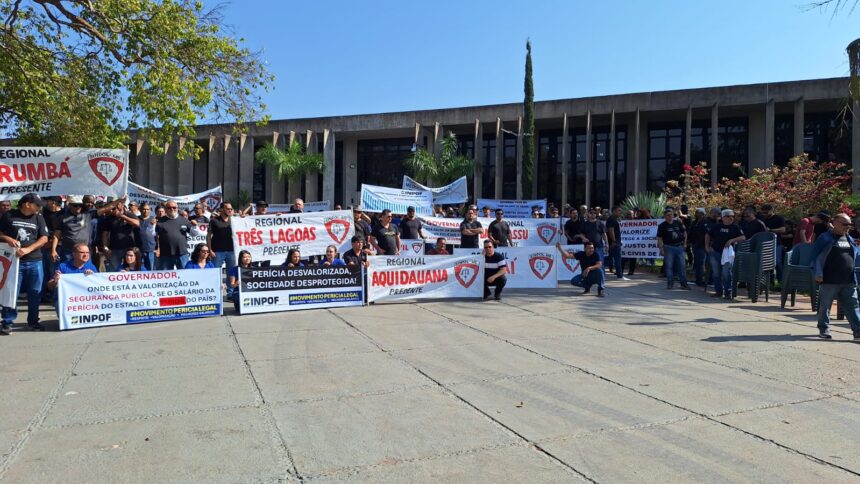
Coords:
529,125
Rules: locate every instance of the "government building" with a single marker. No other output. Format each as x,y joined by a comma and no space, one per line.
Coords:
593,150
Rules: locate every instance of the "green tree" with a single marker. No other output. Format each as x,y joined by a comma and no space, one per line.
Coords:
442,169
292,163
83,72
529,126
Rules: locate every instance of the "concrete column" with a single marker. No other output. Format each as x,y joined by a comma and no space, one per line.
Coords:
769,124
687,135
275,189
799,113
295,186
438,133
855,147
565,150
611,171
635,173
419,140
231,167
141,170
500,165
311,179
715,144
156,165
246,164
478,154
330,167
170,170
519,158
201,166
588,158
216,162
185,171
350,173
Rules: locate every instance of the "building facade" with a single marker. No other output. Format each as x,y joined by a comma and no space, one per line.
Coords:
593,150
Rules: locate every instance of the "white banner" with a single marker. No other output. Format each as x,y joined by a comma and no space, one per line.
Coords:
392,278
9,276
115,298
639,239
270,237
62,171
266,289
409,247
453,193
529,232
377,199
212,198
513,208
200,238
567,267
435,227
323,206
528,267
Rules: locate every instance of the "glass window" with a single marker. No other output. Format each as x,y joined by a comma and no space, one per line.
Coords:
665,154
488,167
549,165
509,171
381,161
827,137
259,183
783,139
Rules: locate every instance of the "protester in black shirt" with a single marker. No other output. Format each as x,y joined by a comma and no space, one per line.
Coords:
219,238
499,231
118,234
357,255
591,267
298,206
199,215
613,232
719,238
362,227
171,235
834,254
672,242
751,225
696,239
410,226
594,231
775,224
24,229
495,268
470,231
386,236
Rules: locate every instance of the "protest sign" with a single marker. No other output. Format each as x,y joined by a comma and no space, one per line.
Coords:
528,267
270,237
435,227
567,267
115,298
323,206
9,276
212,197
266,289
200,238
529,232
453,193
513,208
639,239
62,171
377,199
392,278
409,247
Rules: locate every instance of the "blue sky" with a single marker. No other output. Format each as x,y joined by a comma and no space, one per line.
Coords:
355,57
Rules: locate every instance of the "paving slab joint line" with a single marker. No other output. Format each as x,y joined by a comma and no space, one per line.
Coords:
36,422
512,377
142,339
767,406
628,428
323,355
474,407
133,370
348,396
265,409
675,405
138,418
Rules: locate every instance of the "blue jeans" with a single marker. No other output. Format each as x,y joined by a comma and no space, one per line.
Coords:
846,297
116,256
229,258
48,266
30,277
700,257
148,260
676,265
594,277
170,262
615,256
722,274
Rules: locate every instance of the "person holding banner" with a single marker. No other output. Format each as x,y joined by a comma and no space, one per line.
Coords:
201,258
330,258
118,234
441,247
294,259
79,264
233,278
495,268
219,238
132,261
591,267
386,236
470,230
24,229
298,206
672,242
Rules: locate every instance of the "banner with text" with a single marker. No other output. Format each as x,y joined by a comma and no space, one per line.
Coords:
392,278
513,208
267,289
115,298
528,267
453,193
377,199
270,237
568,267
212,197
639,239
62,171
323,206
9,277
529,232
435,227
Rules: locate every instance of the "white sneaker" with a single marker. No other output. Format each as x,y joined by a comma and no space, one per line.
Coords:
625,279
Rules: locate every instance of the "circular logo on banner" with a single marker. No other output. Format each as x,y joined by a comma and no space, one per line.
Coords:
541,265
107,169
466,273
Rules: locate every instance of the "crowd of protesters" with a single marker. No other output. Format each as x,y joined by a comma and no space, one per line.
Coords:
82,235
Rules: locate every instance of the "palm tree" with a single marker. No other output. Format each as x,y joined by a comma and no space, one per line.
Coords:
292,163
440,170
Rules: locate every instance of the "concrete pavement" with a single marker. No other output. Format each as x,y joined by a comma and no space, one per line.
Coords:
645,385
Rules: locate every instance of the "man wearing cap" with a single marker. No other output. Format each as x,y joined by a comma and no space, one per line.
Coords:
24,229
696,238
410,226
719,238
298,206
499,231
362,226
672,242
834,255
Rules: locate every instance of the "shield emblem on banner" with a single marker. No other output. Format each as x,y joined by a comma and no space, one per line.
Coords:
5,264
337,229
466,273
107,169
212,202
569,263
547,232
541,265
417,247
